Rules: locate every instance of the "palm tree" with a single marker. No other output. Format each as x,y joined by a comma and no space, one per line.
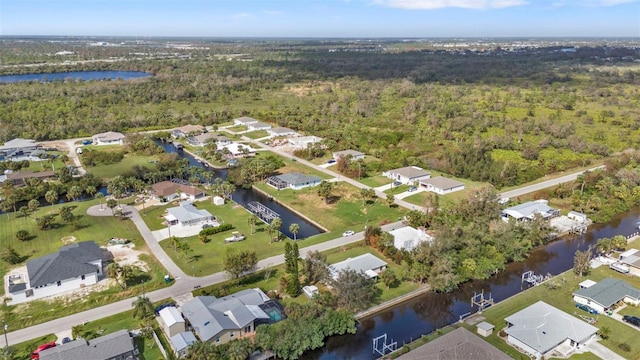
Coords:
125,274
33,206
240,349
74,192
99,196
252,220
275,226
294,228
142,308
113,271
175,243
51,196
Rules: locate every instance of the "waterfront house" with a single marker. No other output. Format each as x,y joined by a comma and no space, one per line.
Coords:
169,190
244,121
460,344
19,179
171,321
237,150
442,185
368,264
528,210
187,130
180,343
293,180
281,131
355,155
606,293
208,138
115,346
631,258
18,149
108,138
409,175
187,214
541,329
408,238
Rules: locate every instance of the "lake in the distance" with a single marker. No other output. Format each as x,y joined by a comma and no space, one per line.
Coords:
75,75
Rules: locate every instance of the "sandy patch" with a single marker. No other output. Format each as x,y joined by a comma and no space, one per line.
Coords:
126,255
68,239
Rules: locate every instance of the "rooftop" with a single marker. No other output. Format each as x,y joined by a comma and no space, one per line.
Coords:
443,183
109,136
295,178
281,130
529,209
362,263
170,316
182,340
165,188
407,237
245,120
186,212
70,261
460,344
345,153
608,292
105,347
18,143
411,172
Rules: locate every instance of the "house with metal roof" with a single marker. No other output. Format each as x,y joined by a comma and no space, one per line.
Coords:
369,264
18,149
460,344
187,214
70,268
527,211
115,346
631,258
303,142
293,180
258,126
409,175
220,320
187,130
408,238
108,138
541,329
180,343
281,131
603,295
354,154
171,321
208,138
244,120
442,185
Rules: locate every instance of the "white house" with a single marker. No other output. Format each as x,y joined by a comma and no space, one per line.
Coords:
540,329
18,149
108,138
369,264
187,130
205,138
528,210
442,185
408,175
355,155
293,180
408,238
606,293
258,126
187,214
304,142
245,120
631,258
181,342
169,190
578,216
281,131
171,321
237,149
74,266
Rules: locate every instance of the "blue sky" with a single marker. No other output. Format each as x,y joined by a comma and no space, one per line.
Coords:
322,18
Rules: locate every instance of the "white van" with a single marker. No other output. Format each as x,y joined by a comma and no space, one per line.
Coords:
79,150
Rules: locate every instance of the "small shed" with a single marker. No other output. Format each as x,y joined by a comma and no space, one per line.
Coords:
485,329
577,216
587,284
218,200
310,290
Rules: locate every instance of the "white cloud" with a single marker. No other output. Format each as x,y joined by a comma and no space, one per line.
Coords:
467,4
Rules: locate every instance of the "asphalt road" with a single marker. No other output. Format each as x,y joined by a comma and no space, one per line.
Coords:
544,184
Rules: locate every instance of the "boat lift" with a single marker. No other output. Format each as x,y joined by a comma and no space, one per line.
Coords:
381,347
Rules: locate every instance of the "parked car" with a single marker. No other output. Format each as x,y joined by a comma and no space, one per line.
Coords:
66,340
204,226
634,320
162,306
35,355
503,201
332,161
87,142
397,183
587,308
412,189
348,233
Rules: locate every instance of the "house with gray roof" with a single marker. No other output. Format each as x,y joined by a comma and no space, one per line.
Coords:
180,343
442,185
354,154
108,138
631,258
603,295
281,131
369,264
187,214
528,210
244,120
541,329
460,344
258,126
409,175
208,138
293,180
18,149
220,320
115,346
72,267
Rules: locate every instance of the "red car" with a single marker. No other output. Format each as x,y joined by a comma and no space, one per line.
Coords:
35,355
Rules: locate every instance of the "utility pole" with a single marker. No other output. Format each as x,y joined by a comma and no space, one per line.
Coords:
5,327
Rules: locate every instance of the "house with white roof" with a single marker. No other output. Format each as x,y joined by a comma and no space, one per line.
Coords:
631,258
187,130
354,154
187,214
18,149
369,264
408,238
237,149
180,343
171,321
528,210
541,329
603,295
409,175
220,320
293,180
442,185
258,126
244,120
207,138
304,142
108,138
281,131
72,267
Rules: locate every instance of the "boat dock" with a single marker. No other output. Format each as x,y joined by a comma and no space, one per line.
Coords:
264,213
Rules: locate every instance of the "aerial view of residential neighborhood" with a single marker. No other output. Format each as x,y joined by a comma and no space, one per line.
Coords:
318,195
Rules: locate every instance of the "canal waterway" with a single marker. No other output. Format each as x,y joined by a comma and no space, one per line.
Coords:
426,313
75,75
243,196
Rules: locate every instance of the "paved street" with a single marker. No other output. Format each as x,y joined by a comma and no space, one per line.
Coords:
544,184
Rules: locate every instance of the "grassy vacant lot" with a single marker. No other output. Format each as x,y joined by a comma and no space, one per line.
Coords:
376,181
294,166
257,134
99,229
238,128
562,299
120,168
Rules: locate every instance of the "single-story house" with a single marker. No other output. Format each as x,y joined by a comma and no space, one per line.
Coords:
237,149
245,120
281,131
258,126
631,258
460,344
408,175
20,178
187,214
578,216
206,138
108,138
169,190
369,264
442,185
606,293
187,130
181,342
220,320
115,346
541,328
355,155
72,267
293,180
408,238
17,148
528,210
304,142
171,321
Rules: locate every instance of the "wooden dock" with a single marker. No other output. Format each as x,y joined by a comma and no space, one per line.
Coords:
264,213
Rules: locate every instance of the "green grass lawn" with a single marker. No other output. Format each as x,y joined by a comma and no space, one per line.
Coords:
376,181
23,350
257,134
121,168
452,198
44,165
397,189
238,128
295,166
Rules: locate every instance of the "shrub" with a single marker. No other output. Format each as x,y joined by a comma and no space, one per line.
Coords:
624,347
215,230
22,235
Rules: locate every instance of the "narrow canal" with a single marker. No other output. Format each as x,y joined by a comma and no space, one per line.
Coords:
426,313
243,196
